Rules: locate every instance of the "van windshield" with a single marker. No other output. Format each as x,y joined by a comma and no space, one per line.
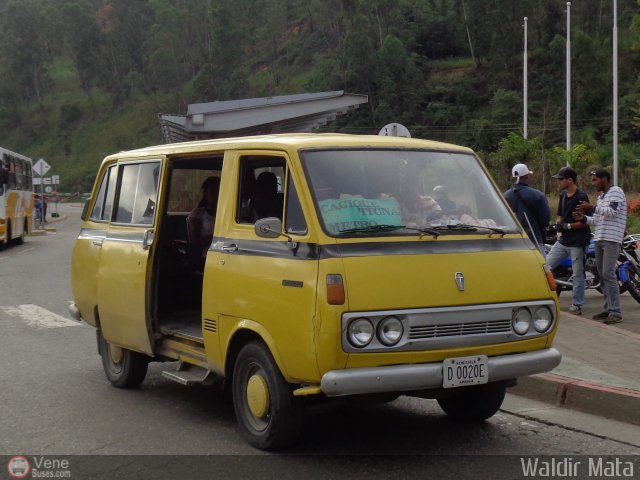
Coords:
395,191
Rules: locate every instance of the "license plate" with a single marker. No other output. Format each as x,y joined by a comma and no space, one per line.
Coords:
463,371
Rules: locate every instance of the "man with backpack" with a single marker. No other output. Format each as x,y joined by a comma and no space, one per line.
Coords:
529,205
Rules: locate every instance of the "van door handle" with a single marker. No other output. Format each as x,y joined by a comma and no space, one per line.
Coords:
97,243
147,240
230,248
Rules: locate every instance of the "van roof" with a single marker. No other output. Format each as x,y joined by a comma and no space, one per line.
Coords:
290,140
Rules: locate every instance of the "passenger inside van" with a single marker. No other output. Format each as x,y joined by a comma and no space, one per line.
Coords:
265,201
201,220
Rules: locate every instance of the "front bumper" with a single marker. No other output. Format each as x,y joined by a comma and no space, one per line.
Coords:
75,312
425,376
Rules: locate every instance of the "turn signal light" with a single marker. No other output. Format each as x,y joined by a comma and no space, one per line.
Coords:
550,279
335,290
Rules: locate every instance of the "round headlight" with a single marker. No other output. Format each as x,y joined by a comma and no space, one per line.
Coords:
521,321
360,332
390,331
542,319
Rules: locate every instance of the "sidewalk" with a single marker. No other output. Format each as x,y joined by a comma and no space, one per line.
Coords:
600,368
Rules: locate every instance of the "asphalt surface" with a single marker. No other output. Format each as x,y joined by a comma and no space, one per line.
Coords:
599,370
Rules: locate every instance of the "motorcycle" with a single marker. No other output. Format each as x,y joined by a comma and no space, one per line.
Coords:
627,268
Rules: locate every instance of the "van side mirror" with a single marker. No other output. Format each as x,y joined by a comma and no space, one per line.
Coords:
270,227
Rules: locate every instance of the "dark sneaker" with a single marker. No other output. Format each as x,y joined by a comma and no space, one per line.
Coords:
575,309
611,319
601,316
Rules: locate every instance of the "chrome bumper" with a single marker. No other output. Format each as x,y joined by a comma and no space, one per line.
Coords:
403,378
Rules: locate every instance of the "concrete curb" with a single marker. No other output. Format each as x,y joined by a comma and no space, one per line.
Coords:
617,403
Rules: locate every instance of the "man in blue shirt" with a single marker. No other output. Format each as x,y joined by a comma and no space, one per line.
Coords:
529,205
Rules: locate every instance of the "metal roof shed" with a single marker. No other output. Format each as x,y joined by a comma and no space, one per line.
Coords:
257,116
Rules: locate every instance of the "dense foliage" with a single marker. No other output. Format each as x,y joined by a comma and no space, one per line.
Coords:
83,78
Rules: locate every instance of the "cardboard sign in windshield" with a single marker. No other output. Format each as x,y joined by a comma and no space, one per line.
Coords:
346,213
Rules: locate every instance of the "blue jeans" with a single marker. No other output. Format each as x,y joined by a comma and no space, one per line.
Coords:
555,257
606,259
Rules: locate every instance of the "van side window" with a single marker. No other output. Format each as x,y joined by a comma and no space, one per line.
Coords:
261,192
138,193
294,218
104,201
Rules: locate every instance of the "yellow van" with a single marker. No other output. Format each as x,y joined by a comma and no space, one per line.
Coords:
335,266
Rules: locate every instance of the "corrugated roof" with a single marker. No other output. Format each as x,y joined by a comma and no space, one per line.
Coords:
258,116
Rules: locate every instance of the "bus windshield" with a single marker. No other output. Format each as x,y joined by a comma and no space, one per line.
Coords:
391,192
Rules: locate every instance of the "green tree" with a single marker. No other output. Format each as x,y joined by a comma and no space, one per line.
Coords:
83,39
25,49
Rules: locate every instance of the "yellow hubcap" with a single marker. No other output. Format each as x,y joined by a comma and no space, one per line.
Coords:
116,353
258,396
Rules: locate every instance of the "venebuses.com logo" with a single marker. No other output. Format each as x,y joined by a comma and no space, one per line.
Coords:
38,467
18,467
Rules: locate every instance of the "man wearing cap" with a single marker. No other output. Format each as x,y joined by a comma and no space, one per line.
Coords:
529,205
610,218
574,236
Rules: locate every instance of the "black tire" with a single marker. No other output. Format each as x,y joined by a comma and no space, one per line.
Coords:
633,285
473,404
20,239
124,368
268,415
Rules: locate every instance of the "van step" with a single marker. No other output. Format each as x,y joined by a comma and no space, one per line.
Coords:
187,374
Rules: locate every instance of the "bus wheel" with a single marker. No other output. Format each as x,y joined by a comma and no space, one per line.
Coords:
124,368
20,239
474,403
268,415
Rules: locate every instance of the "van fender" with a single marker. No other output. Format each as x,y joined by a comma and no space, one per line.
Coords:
243,332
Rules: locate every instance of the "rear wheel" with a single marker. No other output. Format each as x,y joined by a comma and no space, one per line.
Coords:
268,415
124,368
475,403
20,239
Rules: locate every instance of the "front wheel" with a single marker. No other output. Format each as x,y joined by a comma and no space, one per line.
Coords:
268,415
473,404
124,368
633,285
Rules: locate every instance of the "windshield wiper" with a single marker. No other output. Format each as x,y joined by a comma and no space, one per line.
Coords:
389,228
372,228
468,228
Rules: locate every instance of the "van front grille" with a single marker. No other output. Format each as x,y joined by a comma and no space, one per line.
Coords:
459,329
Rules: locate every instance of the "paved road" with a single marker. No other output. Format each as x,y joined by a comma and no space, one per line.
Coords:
55,399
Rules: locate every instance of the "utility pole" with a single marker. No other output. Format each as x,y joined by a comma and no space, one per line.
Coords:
568,79
615,92
524,81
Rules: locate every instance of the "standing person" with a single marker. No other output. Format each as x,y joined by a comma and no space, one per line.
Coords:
38,207
610,218
201,220
574,236
529,205
45,204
